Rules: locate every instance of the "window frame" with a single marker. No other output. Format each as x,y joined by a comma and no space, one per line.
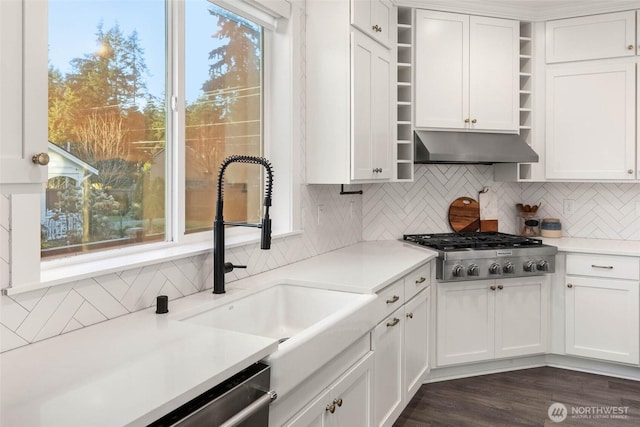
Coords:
278,70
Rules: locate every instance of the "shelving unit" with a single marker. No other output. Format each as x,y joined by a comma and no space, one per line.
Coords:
404,99
526,91
524,171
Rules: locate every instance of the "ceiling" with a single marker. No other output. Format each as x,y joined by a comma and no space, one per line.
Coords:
531,10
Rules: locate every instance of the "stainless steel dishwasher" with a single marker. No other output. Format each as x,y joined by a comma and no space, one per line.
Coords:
242,400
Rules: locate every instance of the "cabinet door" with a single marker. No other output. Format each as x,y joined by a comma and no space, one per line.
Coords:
388,345
590,121
371,110
494,84
373,17
23,107
522,316
416,343
602,319
465,322
442,70
347,402
607,35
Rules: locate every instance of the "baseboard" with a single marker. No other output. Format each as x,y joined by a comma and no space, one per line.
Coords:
553,360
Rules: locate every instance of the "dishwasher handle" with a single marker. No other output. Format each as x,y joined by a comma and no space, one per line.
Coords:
251,409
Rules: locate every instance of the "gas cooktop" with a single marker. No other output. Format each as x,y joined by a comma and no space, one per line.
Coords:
457,241
469,256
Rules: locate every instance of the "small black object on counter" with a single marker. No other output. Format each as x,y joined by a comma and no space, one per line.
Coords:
162,304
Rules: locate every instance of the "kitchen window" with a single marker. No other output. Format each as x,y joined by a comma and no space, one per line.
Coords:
140,116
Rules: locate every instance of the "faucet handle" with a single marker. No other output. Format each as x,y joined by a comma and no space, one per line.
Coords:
228,267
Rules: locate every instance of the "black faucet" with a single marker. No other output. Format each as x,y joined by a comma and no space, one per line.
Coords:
219,266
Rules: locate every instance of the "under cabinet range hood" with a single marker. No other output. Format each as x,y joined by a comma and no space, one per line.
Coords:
470,147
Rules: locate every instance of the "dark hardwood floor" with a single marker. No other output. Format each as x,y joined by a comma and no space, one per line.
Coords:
523,398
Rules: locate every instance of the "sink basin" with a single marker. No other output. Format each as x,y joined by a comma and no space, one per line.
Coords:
312,326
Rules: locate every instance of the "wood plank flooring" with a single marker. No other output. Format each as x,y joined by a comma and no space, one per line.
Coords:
523,398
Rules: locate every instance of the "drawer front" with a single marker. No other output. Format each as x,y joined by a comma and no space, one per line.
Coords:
389,299
603,266
416,281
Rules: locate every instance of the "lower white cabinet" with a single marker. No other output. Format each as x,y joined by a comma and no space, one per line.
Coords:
487,319
602,318
347,402
400,343
416,343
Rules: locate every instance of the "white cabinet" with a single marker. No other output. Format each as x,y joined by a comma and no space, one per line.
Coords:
401,344
347,402
373,18
591,121
607,35
416,343
487,319
388,345
478,89
349,100
23,107
602,306
371,110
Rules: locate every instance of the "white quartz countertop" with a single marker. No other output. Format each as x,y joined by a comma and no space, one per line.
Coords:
138,367
595,246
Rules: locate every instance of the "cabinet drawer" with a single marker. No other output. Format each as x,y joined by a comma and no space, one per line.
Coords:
416,281
389,299
603,266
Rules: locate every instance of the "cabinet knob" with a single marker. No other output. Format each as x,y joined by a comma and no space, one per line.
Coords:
330,408
630,171
467,120
377,28
500,287
337,402
493,288
474,121
393,323
630,47
41,159
569,285
409,315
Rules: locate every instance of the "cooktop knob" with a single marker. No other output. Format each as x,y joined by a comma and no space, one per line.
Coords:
458,271
508,267
473,270
543,265
529,266
494,268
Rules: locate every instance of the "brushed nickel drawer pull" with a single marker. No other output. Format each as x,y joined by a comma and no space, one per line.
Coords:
608,267
420,280
395,298
394,322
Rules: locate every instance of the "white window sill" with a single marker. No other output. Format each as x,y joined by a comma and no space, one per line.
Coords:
56,272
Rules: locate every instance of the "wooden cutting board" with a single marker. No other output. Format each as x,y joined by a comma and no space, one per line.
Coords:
464,215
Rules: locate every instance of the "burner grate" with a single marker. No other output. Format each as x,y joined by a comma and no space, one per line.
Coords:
459,241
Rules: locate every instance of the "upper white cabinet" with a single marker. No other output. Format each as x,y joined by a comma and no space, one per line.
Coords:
467,72
591,121
608,35
349,100
23,107
373,18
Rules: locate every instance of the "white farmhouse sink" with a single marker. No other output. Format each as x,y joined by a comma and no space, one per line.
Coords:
313,326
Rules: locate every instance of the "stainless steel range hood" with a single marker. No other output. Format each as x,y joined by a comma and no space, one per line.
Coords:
470,147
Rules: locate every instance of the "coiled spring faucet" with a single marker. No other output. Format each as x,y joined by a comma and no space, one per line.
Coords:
220,268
